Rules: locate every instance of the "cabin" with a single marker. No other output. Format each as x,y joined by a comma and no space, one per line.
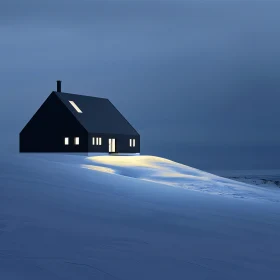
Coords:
73,123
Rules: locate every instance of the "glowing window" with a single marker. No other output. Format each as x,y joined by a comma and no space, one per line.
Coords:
77,140
66,141
97,141
75,106
131,142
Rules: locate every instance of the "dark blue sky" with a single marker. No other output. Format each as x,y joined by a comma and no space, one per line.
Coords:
203,72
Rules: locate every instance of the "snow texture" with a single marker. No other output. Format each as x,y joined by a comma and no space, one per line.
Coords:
160,170
141,217
265,178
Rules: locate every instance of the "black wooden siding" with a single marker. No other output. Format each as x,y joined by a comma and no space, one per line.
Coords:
46,131
55,120
122,143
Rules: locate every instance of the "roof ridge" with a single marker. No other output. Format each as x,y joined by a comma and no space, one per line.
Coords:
97,114
79,95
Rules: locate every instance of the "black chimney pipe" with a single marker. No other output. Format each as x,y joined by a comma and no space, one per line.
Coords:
58,83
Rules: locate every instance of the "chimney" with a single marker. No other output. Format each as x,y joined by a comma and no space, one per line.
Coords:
58,83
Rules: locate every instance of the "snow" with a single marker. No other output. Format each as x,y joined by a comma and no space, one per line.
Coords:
259,181
265,178
142,217
160,170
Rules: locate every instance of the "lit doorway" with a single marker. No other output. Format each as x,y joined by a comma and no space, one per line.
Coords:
112,145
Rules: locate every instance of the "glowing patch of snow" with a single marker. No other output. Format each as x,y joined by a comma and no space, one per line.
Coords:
99,168
164,171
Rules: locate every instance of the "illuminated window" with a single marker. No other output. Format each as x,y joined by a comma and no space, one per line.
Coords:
66,141
77,140
96,141
131,142
75,106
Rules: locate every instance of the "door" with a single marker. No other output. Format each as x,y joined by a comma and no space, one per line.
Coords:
112,145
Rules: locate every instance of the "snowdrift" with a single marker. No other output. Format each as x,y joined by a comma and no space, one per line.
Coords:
61,218
164,171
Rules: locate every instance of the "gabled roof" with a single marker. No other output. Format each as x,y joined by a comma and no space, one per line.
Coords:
98,115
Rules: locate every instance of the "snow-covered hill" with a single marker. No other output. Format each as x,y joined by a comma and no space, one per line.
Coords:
264,178
70,217
160,170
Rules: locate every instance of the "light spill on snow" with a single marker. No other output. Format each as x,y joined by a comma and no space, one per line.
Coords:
100,168
164,171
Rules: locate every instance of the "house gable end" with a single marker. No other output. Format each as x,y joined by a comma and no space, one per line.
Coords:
52,115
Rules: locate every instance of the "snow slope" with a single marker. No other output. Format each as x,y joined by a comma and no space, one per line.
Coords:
70,217
168,172
259,181
264,178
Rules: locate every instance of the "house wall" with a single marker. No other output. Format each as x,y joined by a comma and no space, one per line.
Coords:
46,131
122,143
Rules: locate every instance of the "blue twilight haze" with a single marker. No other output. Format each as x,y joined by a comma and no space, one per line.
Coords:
187,74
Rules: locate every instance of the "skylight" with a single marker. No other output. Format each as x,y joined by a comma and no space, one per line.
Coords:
75,106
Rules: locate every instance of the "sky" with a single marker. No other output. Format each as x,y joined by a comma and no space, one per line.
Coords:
182,72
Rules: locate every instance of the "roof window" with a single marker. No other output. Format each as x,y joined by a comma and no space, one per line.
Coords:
75,106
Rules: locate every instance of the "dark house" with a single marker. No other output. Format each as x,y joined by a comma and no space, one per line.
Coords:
72,123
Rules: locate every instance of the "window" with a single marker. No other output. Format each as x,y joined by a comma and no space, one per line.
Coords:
97,141
131,142
75,106
112,145
66,141
77,141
